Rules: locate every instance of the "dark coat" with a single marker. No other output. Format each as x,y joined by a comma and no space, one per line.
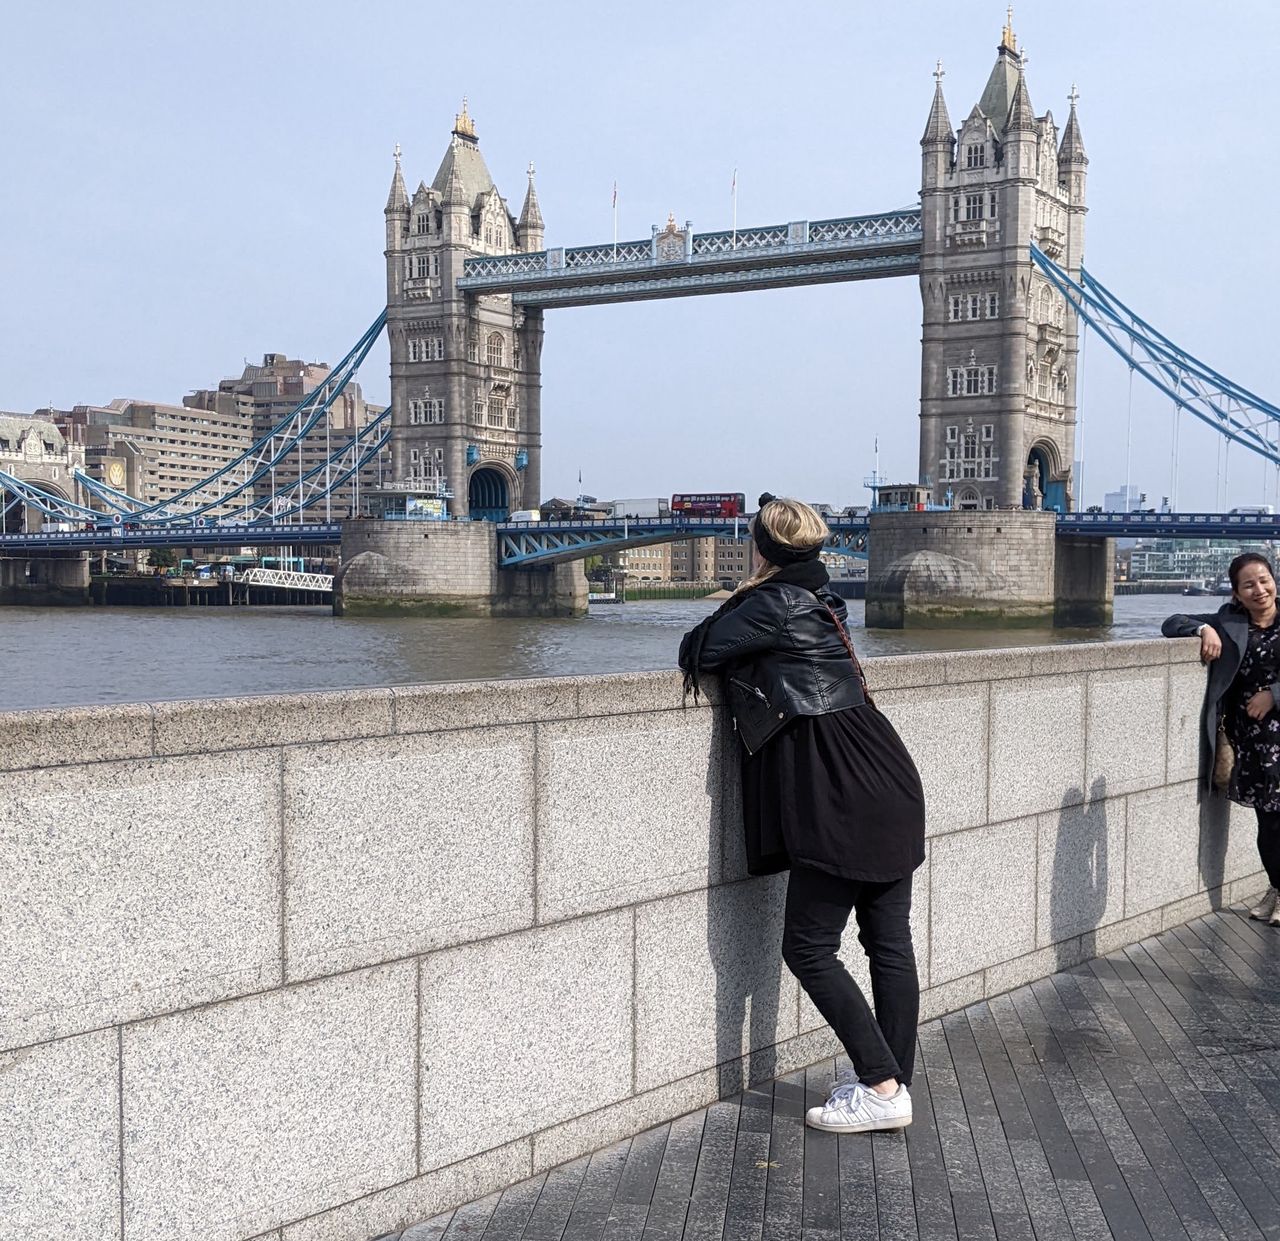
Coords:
1231,623
782,656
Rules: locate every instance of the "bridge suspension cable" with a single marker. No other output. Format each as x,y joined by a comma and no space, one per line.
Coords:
1237,414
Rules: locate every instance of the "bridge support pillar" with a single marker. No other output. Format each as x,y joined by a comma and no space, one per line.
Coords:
967,569
45,581
1084,580
428,568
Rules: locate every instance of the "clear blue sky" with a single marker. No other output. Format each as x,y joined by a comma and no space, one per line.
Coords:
189,185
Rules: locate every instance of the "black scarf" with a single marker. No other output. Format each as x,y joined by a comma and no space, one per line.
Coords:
809,574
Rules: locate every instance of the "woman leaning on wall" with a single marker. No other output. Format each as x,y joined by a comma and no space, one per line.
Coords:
830,793
1240,643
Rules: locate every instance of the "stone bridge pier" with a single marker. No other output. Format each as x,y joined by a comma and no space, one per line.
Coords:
45,581
445,568
933,568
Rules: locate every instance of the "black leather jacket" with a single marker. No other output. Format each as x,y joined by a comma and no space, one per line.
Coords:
781,657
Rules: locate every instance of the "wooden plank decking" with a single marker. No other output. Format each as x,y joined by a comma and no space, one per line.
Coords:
1136,1096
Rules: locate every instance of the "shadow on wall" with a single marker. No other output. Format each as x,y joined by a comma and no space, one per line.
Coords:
1081,873
744,931
1215,817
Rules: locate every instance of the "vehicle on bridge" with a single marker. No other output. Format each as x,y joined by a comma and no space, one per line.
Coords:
708,504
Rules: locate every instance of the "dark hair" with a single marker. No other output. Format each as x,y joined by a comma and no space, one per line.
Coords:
1247,558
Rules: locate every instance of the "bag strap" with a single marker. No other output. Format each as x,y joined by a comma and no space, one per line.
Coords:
848,646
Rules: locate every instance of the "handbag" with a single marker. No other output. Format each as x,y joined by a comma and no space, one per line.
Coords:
1224,759
848,646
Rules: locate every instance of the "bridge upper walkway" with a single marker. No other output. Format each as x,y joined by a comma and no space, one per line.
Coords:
1135,1096
681,263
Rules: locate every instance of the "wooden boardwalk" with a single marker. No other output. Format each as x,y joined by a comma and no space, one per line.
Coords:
1136,1096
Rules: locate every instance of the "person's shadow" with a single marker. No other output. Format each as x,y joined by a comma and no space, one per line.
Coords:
1215,818
744,928
1081,871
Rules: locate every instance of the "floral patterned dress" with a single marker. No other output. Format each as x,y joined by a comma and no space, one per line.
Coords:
1255,781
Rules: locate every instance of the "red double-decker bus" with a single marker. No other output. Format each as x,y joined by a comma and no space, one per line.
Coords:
709,504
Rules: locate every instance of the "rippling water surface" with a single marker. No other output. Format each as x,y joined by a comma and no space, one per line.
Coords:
60,656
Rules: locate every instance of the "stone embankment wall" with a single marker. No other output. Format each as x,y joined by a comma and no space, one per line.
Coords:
317,966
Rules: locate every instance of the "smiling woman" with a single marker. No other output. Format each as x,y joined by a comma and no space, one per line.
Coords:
1241,645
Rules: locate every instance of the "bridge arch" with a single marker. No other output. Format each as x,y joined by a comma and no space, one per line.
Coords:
489,491
1044,484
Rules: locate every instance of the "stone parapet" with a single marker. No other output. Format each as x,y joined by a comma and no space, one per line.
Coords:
320,965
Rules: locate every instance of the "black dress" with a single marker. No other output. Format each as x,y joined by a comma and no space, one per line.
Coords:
836,792
1255,780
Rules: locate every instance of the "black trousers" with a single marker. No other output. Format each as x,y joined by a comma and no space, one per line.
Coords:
1269,844
880,1045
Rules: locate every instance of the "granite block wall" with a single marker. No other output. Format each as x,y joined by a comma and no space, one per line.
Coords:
318,966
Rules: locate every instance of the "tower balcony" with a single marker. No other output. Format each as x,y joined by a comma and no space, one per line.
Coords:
969,232
1052,241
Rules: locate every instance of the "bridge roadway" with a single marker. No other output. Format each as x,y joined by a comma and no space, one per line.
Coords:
525,544
1133,1096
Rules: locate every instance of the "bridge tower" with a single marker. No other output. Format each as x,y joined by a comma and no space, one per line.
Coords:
998,370
465,369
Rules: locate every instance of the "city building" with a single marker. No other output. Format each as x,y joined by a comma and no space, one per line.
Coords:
723,560
998,378
465,377
647,564
1124,500
1185,559
35,450
263,396
153,451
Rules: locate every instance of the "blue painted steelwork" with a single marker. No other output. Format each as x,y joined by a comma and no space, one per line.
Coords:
1242,527
119,539
531,543
851,248
1233,411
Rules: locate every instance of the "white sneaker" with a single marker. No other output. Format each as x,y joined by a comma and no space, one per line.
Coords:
855,1108
1265,909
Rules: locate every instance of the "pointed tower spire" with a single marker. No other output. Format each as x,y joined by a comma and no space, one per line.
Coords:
1021,115
1071,152
398,198
454,192
938,128
530,215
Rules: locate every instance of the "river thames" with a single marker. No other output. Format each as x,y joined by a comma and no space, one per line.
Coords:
65,656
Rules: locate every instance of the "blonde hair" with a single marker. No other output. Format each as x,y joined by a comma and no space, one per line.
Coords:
792,523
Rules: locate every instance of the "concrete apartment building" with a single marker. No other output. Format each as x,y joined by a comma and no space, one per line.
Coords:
154,451
265,394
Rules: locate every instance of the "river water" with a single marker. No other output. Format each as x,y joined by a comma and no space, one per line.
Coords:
65,656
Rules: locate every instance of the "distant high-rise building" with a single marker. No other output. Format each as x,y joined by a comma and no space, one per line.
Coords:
1125,500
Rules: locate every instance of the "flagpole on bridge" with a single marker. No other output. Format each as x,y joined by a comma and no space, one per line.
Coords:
733,194
615,221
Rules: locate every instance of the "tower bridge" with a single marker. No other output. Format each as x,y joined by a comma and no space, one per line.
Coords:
996,243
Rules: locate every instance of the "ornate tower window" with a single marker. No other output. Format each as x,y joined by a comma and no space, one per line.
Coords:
975,155
956,308
973,206
497,410
975,306
495,350
993,305
421,223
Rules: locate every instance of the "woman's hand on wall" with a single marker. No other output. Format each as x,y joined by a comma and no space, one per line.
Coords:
1262,702
1210,645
